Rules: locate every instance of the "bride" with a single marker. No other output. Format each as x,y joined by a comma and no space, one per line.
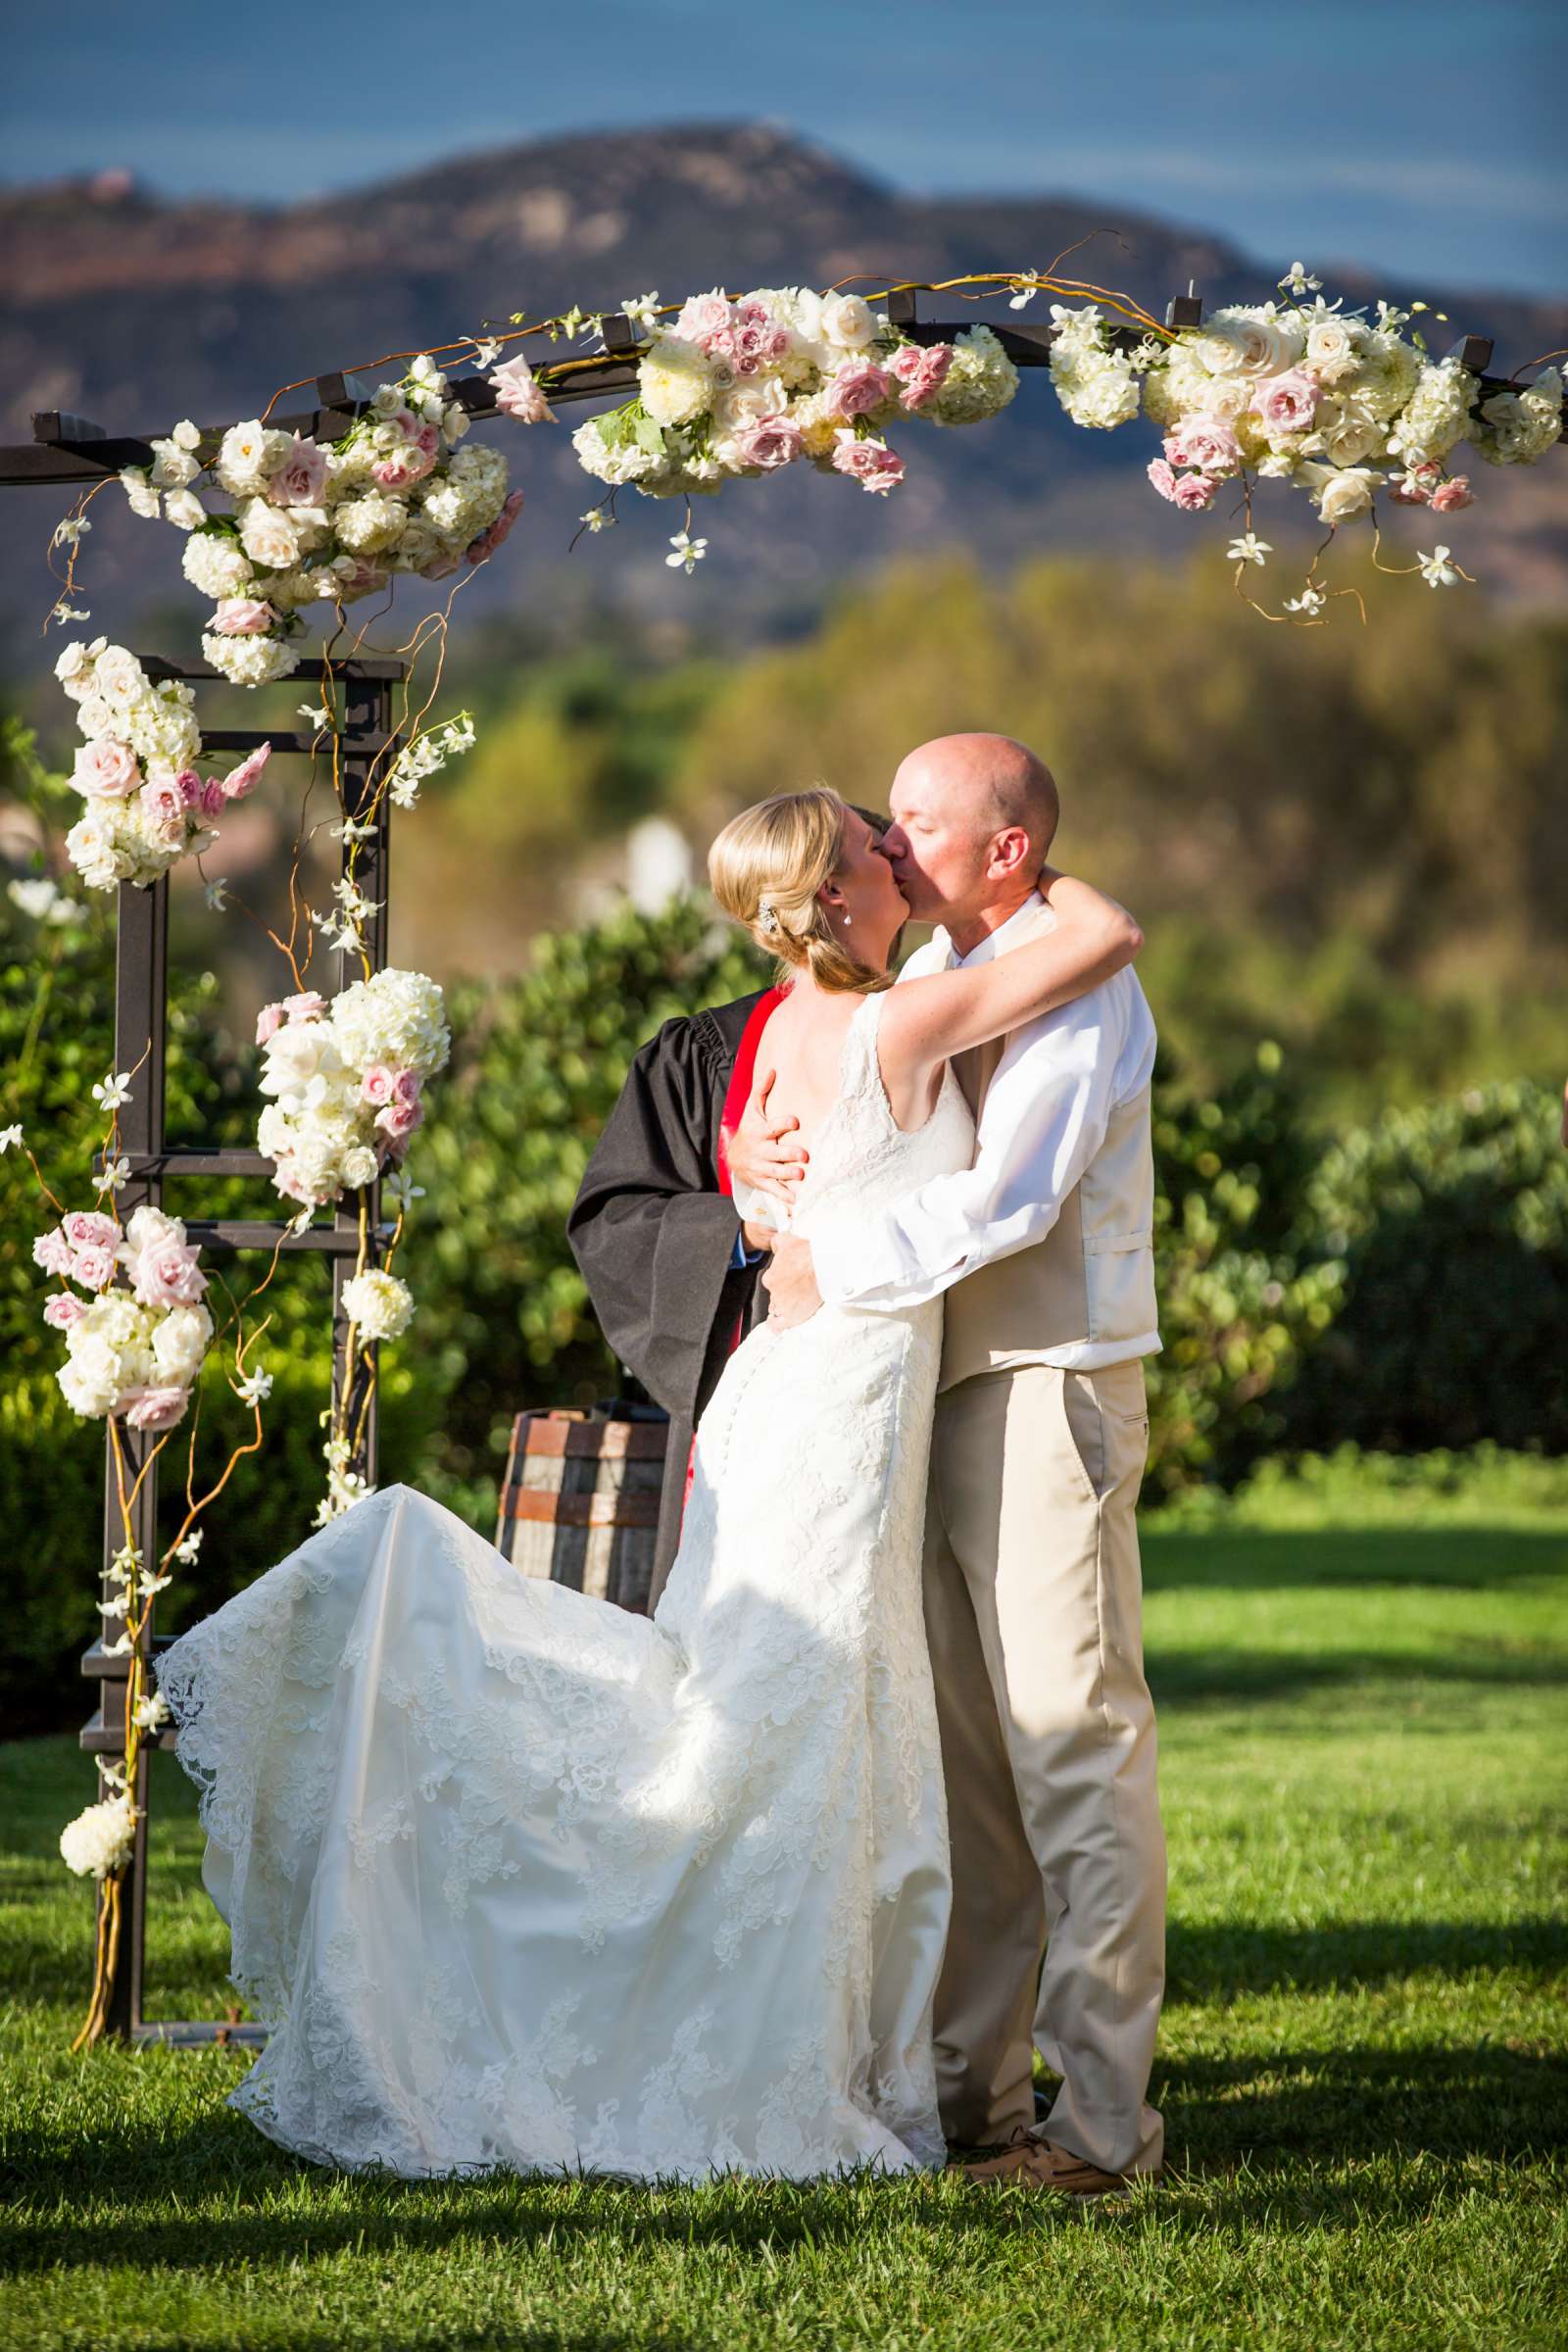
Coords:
521,1880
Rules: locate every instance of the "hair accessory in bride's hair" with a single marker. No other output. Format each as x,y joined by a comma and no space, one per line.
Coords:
768,916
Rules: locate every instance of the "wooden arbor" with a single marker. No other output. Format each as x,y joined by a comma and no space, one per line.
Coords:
72,450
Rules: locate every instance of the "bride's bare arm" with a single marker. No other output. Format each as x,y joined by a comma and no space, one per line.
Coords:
924,1022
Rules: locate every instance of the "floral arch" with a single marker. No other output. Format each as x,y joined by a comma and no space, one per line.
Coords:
327,505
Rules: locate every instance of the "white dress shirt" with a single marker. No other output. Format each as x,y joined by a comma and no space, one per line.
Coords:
1043,1118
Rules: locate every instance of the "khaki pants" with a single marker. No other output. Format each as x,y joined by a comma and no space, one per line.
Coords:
1033,1604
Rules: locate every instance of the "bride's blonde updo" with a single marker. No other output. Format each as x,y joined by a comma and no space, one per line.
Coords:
766,867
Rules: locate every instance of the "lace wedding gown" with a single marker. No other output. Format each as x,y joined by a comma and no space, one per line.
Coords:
525,1881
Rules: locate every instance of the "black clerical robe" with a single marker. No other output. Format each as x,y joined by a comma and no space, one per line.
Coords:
654,1230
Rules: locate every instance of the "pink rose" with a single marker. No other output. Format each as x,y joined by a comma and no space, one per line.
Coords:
518,395
703,315
1202,442
105,770
243,617
52,1250
1194,492
307,1006
89,1228
191,787
1163,479
241,780
409,465
871,463
498,532
363,577
301,479
213,801
63,1308
407,1086
93,1265
918,385
758,341
166,1272
1287,403
752,313
858,388
377,1083
768,442
428,438
269,1021
442,569
1448,497
154,1409
164,801
398,1119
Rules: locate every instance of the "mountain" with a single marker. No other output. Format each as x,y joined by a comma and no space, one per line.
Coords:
135,311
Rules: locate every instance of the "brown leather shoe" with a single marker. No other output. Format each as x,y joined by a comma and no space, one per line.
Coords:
1038,2164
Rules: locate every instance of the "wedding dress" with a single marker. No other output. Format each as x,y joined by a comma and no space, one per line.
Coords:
522,1880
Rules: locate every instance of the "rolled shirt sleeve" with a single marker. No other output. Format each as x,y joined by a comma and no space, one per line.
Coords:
1044,1119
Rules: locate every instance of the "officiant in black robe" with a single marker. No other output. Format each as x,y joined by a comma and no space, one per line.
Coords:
656,1235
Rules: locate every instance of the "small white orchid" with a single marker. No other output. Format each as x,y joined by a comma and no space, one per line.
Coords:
113,1092
9,1136
186,1550
596,520
1027,288
151,1713
255,1387
644,308
1436,570
486,351
67,533
1250,548
688,551
316,715
65,613
401,1189
115,1175
1298,281
1311,600
215,894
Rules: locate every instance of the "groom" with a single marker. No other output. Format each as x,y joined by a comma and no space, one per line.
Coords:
1044,1253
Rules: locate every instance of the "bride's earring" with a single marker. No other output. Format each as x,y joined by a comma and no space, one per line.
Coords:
848,919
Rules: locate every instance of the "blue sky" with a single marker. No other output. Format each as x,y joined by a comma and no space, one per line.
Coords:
1422,138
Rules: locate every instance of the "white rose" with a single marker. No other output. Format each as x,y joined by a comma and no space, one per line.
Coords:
1240,340
848,321
295,1055
1332,347
1341,493
172,468
267,535
184,509
360,1164
74,670
143,498
1345,432
180,1342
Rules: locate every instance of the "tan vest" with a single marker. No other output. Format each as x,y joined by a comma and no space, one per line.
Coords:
1092,1279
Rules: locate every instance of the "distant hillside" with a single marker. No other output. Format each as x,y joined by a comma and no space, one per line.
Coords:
136,312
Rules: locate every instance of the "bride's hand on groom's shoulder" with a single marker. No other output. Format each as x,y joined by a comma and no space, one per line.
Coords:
790,1281
763,1150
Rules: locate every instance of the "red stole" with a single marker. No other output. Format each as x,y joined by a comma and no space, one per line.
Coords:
737,1095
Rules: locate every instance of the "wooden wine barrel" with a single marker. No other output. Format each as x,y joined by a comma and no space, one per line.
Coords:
579,1503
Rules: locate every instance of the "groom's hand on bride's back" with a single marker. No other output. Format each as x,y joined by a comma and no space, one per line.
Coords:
763,1150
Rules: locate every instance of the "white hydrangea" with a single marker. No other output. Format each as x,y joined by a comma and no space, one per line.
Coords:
216,564
371,523
1386,375
180,1341
101,1840
980,382
378,1303
675,381
1515,428
1095,384
395,1017
1437,416
251,660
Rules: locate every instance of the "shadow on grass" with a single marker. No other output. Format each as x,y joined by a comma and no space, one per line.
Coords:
1462,1559
1181,1678
1361,2100
1214,1961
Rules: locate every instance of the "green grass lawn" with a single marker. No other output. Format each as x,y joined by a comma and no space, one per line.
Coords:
1361,2066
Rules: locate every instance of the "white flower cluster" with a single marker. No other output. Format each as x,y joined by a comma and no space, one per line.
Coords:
312,523
378,1305
100,1840
425,756
345,1486
346,1082
745,387
147,803
1338,404
1095,382
131,1352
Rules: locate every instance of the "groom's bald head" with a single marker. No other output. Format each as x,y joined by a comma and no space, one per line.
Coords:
973,817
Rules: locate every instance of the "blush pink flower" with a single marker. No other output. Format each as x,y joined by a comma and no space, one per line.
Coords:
93,1265
89,1228
154,1409
63,1308
768,442
703,315
269,1021
164,801
397,472
498,532
377,1083
213,803
165,1272
308,1005
858,388
1414,488
407,1086
1163,477
870,462
518,395
1448,497
301,479
241,780
400,1119
1287,403
105,770
1194,492
52,1250
1206,444
922,375
243,617
428,438
191,787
